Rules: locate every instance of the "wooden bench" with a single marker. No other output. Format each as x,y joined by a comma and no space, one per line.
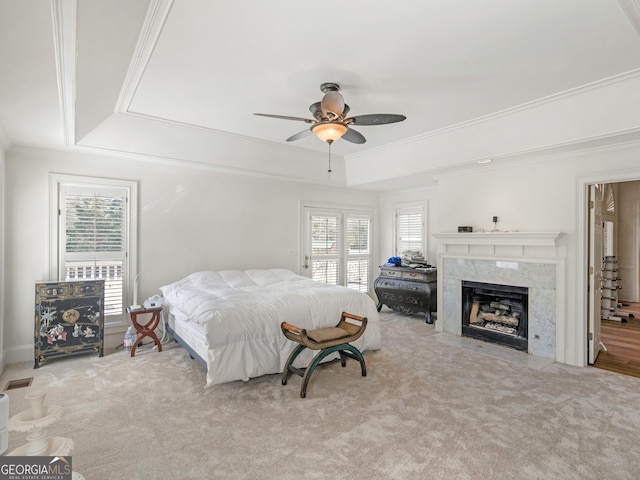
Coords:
327,340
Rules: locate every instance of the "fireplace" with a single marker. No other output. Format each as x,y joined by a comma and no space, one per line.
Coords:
532,260
496,313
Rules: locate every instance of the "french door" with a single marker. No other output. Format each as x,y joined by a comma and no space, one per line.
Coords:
337,247
595,271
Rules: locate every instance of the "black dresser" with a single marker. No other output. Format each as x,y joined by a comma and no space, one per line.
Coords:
68,319
408,290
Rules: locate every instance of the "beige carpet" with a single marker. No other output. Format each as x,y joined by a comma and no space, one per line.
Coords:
432,406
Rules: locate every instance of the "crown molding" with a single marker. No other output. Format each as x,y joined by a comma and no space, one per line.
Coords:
632,10
213,131
153,24
63,13
508,111
179,163
599,142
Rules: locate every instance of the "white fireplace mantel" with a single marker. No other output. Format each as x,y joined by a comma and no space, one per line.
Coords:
526,239
535,260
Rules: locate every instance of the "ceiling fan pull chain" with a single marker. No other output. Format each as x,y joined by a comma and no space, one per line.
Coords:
329,171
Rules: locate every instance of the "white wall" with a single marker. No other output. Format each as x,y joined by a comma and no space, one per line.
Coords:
197,219
189,219
543,195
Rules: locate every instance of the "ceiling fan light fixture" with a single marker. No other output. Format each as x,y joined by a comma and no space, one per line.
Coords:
330,121
329,131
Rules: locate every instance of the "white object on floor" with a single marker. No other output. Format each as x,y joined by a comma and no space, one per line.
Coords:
34,420
55,447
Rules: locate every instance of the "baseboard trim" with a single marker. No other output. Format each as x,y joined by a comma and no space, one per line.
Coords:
24,353
21,353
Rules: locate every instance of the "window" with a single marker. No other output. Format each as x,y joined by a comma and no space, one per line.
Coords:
338,247
94,236
410,235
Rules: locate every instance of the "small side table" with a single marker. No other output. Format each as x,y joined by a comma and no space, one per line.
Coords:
146,329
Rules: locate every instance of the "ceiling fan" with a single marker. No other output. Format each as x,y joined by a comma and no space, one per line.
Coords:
330,121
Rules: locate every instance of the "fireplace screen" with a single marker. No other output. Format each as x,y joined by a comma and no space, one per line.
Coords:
495,313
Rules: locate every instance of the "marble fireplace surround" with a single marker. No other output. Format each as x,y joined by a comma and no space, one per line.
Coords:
535,260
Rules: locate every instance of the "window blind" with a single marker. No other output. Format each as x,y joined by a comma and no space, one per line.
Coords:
358,274
358,235
325,248
94,223
409,228
358,252
95,247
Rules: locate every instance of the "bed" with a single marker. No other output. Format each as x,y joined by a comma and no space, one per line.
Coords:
229,320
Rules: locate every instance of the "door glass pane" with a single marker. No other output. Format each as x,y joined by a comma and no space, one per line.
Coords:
324,235
325,271
358,252
358,274
325,248
358,235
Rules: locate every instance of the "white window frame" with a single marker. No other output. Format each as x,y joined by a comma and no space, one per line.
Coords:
408,208
57,182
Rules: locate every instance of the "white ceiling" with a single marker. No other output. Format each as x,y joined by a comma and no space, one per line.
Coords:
179,80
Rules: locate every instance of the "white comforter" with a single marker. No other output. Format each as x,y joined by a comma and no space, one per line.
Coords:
241,312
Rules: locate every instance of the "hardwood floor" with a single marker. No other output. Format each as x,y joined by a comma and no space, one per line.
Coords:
622,340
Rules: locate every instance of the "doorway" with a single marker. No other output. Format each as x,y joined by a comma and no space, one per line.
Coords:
616,295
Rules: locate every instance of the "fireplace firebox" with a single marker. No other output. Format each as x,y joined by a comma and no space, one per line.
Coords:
495,313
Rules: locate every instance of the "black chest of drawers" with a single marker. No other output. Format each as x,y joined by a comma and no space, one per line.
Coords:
408,290
69,319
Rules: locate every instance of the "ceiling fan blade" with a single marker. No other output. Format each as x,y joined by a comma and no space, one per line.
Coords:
285,117
353,136
299,135
375,119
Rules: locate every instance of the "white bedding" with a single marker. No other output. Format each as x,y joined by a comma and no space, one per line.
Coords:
241,312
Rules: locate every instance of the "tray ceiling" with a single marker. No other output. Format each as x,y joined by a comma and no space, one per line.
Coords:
182,79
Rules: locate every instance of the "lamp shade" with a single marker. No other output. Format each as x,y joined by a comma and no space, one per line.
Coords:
329,131
332,105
